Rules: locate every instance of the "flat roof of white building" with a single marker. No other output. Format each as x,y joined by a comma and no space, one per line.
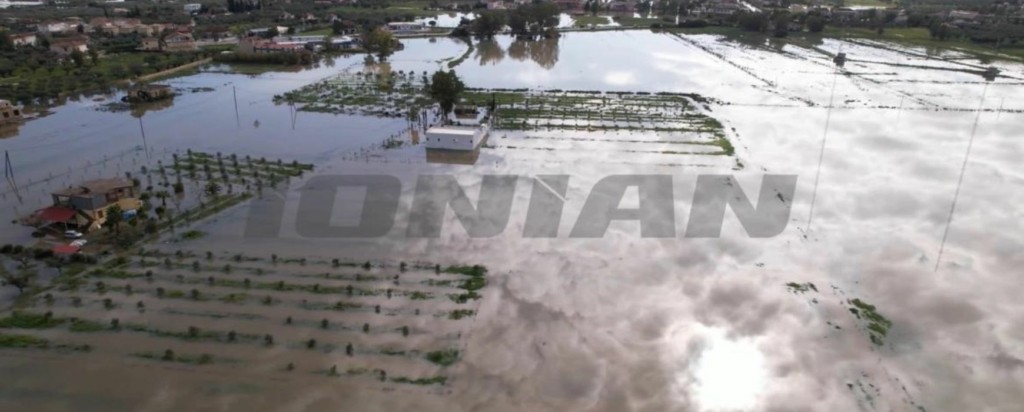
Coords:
453,130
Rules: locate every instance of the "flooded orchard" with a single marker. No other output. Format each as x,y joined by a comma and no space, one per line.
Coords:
891,286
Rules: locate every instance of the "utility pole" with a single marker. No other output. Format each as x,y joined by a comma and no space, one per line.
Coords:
899,111
145,146
234,93
9,174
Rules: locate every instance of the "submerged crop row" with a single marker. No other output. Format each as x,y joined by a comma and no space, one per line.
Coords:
393,322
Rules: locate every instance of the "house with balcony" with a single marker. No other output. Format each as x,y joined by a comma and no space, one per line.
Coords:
86,205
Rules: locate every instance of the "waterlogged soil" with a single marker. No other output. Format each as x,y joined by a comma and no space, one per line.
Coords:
618,322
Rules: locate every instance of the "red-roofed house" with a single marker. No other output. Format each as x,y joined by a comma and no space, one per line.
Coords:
89,201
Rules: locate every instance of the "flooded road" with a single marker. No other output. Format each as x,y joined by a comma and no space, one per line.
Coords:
623,322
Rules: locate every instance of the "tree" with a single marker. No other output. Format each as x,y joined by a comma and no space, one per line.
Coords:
379,41
753,22
6,43
114,217
212,190
163,196
445,88
77,57
939,30
94,56
781,23
20,280
488,23
532,19
815,24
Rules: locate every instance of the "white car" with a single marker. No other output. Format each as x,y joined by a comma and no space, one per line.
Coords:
72,234
79,243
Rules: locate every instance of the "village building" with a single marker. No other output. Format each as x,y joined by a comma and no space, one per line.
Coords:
455,137
620,6
150,44
962,18
255,45
65,46
85,206
193,7
401,27
9,112
23,39
54,27
179,41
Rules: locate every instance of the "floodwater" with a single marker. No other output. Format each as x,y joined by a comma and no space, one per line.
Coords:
622,322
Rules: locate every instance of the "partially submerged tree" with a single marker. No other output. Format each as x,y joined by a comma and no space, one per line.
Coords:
379,41
445,88
114,217
488,23
20,280
212,190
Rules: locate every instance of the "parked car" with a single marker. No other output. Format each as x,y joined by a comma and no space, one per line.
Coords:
72,234
79,242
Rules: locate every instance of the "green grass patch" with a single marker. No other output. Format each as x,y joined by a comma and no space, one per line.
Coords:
588,20
81,325
435,380
193,234
22,341
445,357
878,325
801,287
28,320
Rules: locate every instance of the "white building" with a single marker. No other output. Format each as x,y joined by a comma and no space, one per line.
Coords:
455,138
193,7
399,27
53,27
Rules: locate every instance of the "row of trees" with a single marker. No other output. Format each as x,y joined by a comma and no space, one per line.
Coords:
779,22
528,20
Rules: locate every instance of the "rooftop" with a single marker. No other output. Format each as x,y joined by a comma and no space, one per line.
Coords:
99,186
468,131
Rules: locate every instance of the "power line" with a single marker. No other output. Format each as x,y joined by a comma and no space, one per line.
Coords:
824,138
963,168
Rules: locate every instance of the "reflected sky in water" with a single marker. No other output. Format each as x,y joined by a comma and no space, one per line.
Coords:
624,323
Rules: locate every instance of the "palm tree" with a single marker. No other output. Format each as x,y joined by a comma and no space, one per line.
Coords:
212,190
114,217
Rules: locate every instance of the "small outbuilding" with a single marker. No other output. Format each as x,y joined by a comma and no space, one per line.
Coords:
455,138
149,93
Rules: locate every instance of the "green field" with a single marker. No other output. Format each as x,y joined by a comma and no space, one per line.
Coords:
583,21
918,36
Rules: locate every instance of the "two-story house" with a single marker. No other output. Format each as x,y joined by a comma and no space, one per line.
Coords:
85,206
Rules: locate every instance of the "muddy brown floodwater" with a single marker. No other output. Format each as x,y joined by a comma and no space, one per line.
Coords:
613,323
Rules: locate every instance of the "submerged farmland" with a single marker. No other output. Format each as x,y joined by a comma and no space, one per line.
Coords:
378,323
663,123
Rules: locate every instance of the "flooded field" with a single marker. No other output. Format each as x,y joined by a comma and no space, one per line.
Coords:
879,294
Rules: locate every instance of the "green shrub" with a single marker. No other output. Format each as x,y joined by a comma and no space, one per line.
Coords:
446,357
